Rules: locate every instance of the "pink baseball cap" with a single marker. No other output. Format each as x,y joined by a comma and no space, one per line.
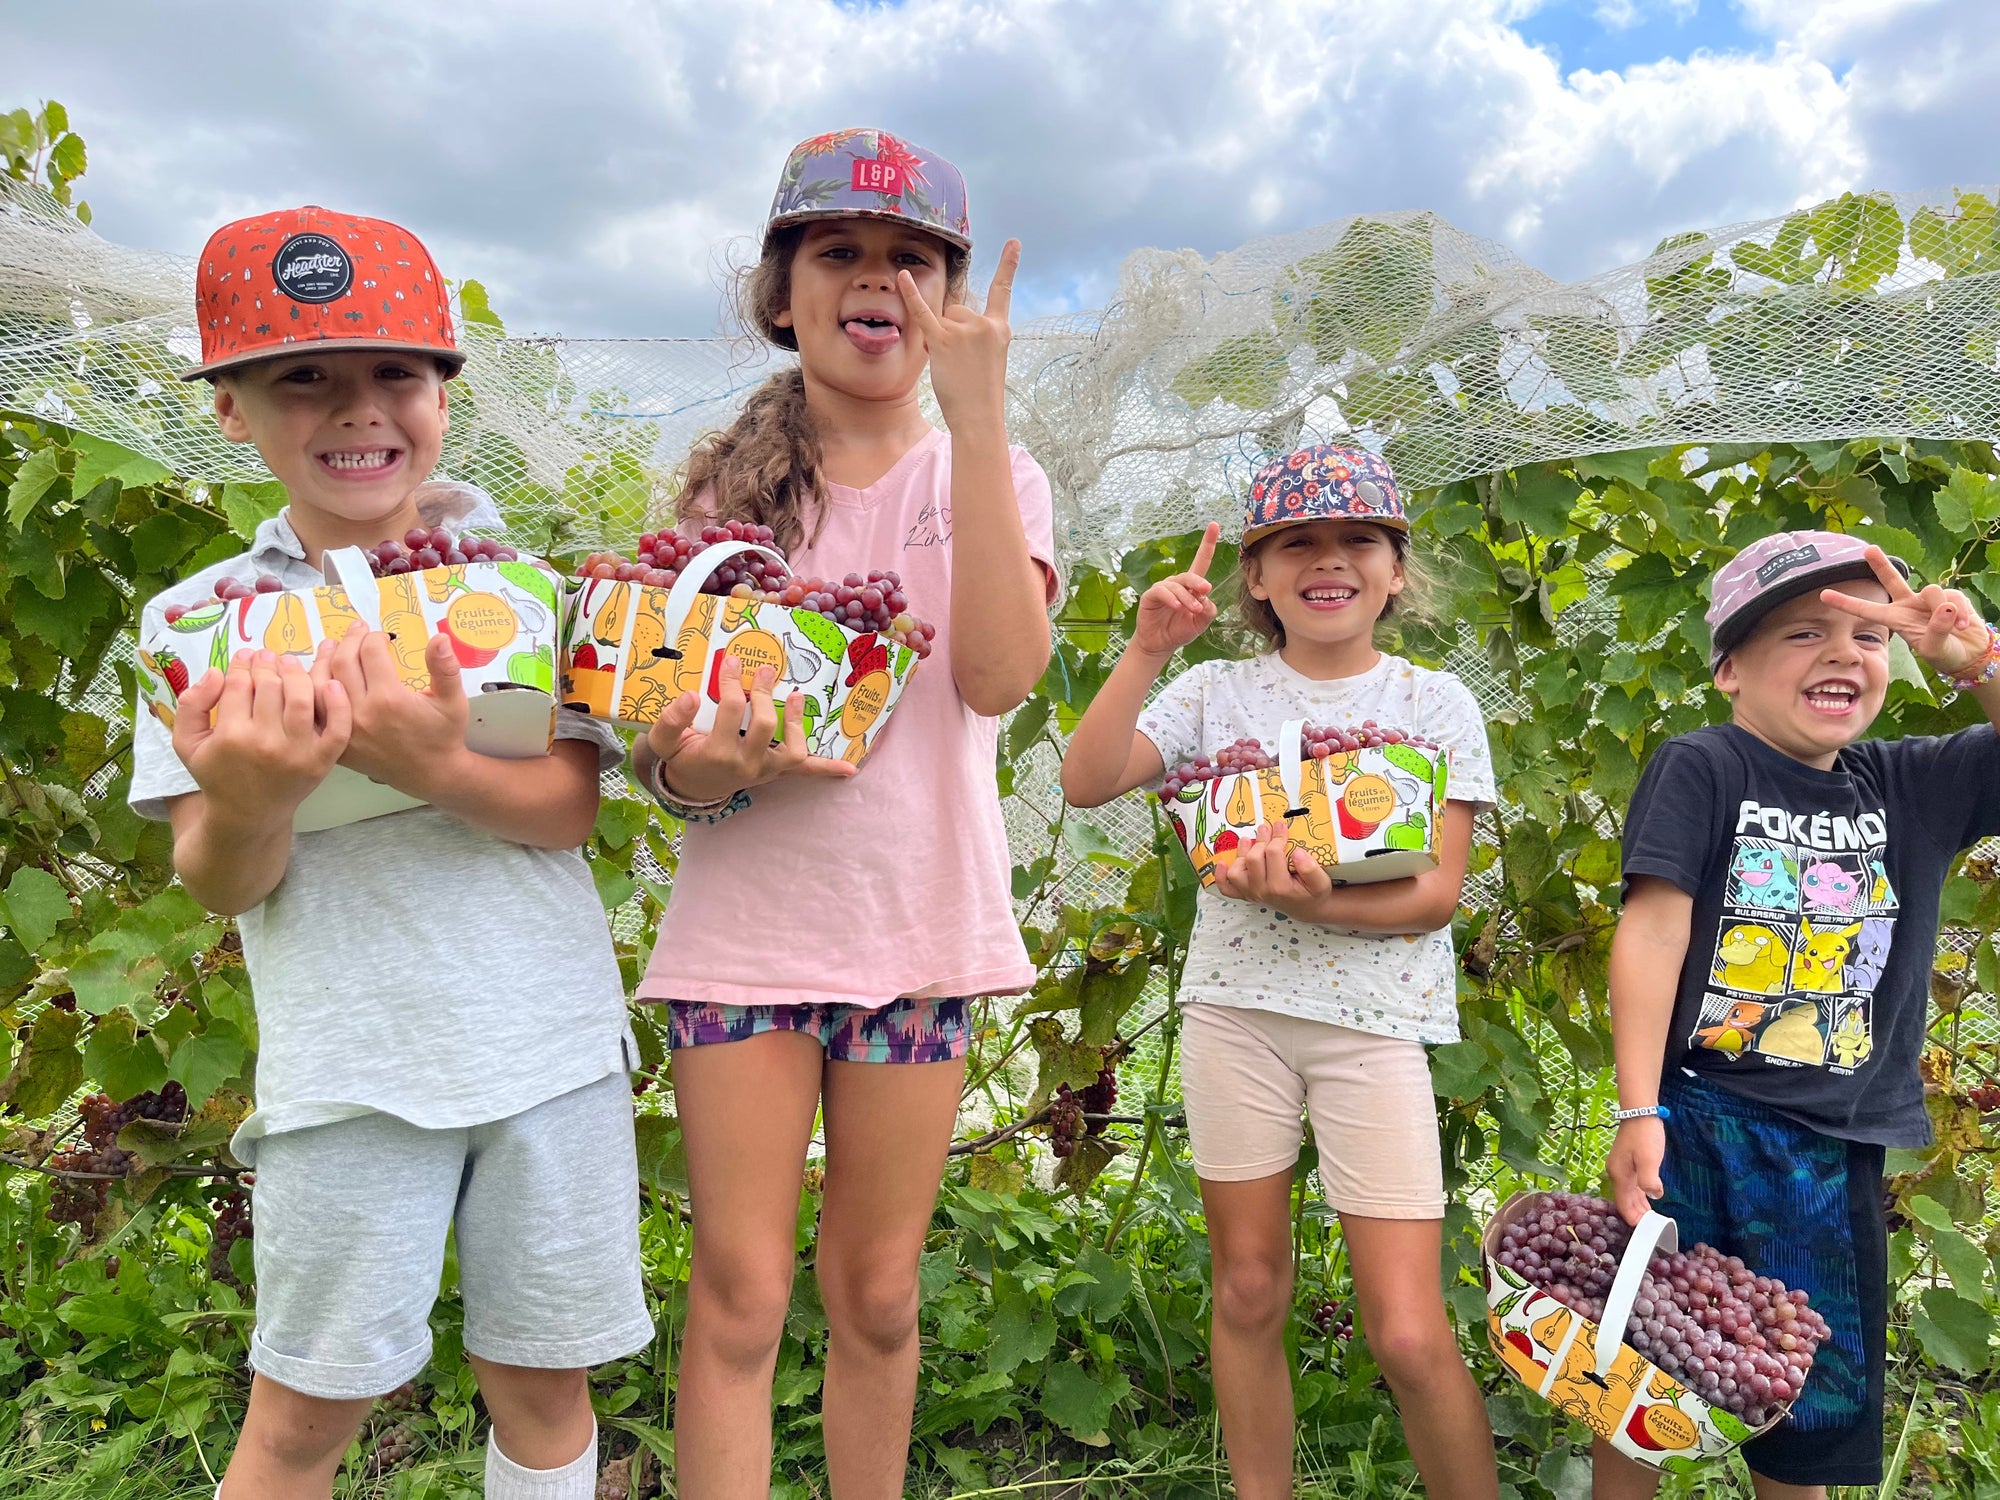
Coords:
1776,570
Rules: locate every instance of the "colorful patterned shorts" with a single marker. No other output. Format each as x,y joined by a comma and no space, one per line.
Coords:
903,1031
1807,1209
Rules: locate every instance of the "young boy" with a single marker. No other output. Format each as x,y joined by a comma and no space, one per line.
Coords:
441,1020
1770,969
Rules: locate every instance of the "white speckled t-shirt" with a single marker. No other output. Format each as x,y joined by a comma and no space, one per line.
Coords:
1255,958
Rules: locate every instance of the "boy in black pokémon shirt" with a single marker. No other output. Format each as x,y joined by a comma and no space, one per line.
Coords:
1772,962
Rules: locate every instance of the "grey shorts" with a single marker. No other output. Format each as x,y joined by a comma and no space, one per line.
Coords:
351,1220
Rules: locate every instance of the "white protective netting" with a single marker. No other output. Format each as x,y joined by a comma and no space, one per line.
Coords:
1873,313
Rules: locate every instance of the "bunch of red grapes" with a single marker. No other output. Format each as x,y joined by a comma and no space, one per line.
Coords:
392,1450
232,1223
874,601
1984,1097
1740,1341
433,547
1318,743
1065,1120
1098,1098
1068,1111
79,1201
1335,1319
421,547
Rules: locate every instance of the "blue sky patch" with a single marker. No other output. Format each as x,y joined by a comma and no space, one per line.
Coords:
1612,35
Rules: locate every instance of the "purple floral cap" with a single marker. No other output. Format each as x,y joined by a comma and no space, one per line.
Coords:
1775,571
1323,483
871,174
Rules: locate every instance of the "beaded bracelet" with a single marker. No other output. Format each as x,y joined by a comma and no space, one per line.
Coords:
1980,672
1643,1112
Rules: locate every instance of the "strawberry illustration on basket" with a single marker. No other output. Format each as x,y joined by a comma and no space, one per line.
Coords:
865,654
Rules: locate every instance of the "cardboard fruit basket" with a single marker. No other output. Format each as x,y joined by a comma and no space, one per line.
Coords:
1590,1372
503,620
630,649
1366,815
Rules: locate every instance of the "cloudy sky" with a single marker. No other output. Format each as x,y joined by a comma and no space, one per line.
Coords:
595,161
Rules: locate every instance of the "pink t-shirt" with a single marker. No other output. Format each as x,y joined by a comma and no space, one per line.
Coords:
896,881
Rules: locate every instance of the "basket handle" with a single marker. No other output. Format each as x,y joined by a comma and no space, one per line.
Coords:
680,603
1291,770
347,567
1652,1233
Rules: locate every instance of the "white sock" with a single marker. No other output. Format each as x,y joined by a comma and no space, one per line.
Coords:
575,1480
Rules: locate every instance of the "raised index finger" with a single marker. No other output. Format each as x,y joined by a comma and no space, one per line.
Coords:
1000,296
1204,554
1887,575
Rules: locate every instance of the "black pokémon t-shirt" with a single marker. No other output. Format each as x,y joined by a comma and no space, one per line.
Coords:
1815,913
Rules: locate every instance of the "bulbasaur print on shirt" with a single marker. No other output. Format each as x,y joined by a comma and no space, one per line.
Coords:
1802,939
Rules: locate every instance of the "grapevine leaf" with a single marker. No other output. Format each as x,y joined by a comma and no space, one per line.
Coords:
38,472
97,461
1022,1334
1100,1290
206,1061
49,1068
1077,1171
1963,1261
249,506
662,1158
36,904
1081,1403
122,1062
1953,1331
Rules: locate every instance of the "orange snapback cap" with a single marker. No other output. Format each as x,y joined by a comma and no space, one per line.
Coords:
266,286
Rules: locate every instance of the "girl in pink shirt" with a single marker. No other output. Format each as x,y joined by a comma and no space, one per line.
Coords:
825,924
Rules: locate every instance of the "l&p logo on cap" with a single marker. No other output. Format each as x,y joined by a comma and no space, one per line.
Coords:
885,177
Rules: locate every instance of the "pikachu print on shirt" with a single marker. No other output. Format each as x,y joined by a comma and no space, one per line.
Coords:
1803,939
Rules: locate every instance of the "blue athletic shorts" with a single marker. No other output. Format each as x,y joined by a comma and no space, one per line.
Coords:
1805,1208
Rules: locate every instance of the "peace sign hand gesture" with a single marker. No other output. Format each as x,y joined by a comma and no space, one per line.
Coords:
1176,610
968,349
1941,625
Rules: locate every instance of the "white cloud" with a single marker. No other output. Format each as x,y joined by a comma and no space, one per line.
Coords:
592,164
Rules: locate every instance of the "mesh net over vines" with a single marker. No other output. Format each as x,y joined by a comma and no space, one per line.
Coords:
1871,313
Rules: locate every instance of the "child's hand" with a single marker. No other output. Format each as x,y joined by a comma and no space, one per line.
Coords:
1941,625
268,745
968,349
1176,610
1634,1165
1270,872
402,738
707,767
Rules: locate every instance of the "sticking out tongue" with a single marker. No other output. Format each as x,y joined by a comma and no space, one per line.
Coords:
873,338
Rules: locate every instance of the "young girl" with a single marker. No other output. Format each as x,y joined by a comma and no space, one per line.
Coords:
1299,995
826,926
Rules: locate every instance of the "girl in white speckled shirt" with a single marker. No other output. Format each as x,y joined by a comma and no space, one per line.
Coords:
1299,997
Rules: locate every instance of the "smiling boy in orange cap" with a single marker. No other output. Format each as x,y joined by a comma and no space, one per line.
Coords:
441,1022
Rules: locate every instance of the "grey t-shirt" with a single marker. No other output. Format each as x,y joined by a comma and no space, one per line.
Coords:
411,964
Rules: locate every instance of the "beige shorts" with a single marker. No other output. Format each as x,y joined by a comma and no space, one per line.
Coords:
1249,1076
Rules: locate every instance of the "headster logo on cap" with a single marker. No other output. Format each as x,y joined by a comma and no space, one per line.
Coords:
312,268
877,177
1784,562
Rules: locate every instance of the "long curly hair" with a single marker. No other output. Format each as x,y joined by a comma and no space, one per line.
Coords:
766,466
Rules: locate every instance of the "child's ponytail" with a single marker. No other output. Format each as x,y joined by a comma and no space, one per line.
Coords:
765,467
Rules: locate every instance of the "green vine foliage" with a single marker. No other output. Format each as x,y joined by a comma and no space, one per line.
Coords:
1063,1313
